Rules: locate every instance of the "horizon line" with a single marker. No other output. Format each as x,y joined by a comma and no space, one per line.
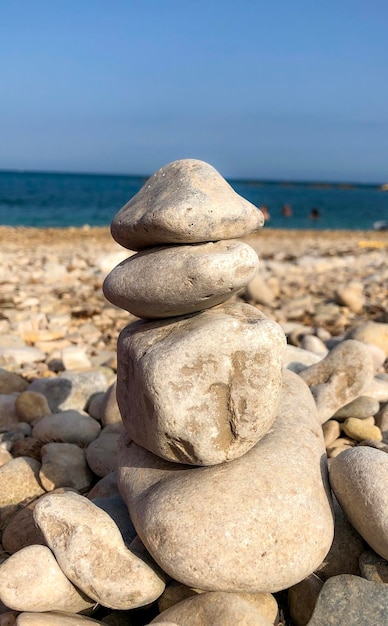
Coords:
247,180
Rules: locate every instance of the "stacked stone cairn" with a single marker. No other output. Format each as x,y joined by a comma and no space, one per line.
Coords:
221,458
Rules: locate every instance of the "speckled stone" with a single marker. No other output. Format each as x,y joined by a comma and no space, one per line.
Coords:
373,567
194,278
186,201
204,389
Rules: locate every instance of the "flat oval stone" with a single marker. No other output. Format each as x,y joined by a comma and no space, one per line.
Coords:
67,426
360,429
31,580
64,465
186,201
260,523
204,389
172,281
19,479
339,377
359,479
91,552
361,407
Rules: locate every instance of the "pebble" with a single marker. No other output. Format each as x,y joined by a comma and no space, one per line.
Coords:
258,291
101,453
10,382
54,619
70,426
30,405
19,479
31,580
351,601
339,377
70,390
64,465
360,407
188,405
194,278
79,532
373,567
351,296
217,608
360,429
371,332
75,358
302,599
359,480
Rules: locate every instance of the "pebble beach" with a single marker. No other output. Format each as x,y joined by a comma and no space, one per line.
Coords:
60,427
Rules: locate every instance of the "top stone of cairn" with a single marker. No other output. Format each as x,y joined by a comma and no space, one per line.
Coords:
186,201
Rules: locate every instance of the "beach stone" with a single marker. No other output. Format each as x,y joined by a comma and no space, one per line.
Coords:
110,410
378,389
359,429
331,431
31,580
64,465
71,426
175,592
59,618
21,530
28,446
96,405
259,291
334,451
203,389
371,332
373,443
217,608
5,456
21,355
11,382
91,552
105,487
70,390
340,377
312,343
351,296
298,359
186,201
359,480
382,420
8,415
373,567
245,516
19,479
30,405
116,508
302,599
351,601
378,356
194,278
348,545
101,454
360,407
75,358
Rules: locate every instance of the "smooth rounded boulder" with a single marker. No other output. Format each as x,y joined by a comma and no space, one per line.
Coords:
260,523
176,280
203,389
359,479
186,201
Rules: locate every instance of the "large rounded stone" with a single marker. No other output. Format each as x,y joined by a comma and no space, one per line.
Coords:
186,201
339,377
204,389
176,280
260,523
54,619
371,332
91,552
31,580
359,479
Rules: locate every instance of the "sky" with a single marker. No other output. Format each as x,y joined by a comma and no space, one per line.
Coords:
294,90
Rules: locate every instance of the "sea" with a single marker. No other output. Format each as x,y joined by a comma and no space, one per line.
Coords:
48,199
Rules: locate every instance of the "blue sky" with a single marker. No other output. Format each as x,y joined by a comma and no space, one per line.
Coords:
283,90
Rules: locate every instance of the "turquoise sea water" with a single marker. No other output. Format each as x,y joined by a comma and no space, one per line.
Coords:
58,200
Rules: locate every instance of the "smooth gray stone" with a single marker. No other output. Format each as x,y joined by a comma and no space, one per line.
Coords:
70,390
348,600
361,407
176,280
359,479
260,523
186,201
204,389
68,427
